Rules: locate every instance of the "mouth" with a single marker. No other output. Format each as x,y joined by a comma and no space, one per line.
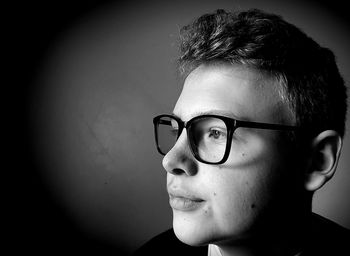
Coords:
184,203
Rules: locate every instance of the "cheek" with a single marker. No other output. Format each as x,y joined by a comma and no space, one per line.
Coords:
235,204
244,187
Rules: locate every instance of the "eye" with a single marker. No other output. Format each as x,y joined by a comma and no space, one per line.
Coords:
174,128
217,134
174,131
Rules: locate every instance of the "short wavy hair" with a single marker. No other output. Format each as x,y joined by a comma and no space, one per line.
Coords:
310,80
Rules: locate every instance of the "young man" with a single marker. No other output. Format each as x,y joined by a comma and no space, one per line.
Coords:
256,131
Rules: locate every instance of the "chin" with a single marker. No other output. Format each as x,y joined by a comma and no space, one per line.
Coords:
190,238
191,233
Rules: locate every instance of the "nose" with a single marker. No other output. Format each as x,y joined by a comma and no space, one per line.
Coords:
179,160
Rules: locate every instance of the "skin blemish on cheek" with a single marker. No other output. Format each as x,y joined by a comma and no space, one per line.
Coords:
253,206
207,210
243,154
214,193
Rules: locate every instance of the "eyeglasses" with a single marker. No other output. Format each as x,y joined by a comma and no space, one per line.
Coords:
209,136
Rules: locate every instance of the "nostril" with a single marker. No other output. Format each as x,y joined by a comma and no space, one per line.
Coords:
178,171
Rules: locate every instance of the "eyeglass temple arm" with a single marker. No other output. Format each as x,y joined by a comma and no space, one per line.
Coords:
256,125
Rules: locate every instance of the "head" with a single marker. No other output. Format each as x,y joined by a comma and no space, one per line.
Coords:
255,67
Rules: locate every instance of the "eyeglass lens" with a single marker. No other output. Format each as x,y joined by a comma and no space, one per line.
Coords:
167,133
207,137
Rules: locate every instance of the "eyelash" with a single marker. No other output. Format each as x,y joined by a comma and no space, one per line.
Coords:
213,130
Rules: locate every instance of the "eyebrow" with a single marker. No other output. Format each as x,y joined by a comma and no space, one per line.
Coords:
214,112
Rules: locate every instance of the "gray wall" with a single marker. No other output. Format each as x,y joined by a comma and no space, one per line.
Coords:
99,86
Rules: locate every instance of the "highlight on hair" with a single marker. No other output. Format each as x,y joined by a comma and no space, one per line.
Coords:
310,79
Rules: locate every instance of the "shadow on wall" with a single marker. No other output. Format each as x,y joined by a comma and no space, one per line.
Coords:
100,83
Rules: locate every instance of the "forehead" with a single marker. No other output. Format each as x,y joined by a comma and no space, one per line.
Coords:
235,91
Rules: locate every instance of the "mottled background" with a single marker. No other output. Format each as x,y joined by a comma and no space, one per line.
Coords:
91,75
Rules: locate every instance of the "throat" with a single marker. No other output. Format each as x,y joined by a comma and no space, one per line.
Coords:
287,240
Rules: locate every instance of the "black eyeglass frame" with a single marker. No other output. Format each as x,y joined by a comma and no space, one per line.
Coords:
231,124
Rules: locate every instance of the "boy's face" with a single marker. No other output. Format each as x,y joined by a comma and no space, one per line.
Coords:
228,202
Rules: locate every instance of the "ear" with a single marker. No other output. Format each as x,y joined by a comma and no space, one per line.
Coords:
326,149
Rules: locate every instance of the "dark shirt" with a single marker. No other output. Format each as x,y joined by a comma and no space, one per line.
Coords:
327,238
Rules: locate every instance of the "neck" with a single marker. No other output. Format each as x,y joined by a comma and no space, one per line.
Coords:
287,239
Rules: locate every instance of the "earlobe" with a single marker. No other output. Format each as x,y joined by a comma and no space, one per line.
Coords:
326,149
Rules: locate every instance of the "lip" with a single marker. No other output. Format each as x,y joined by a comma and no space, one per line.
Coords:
184,202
